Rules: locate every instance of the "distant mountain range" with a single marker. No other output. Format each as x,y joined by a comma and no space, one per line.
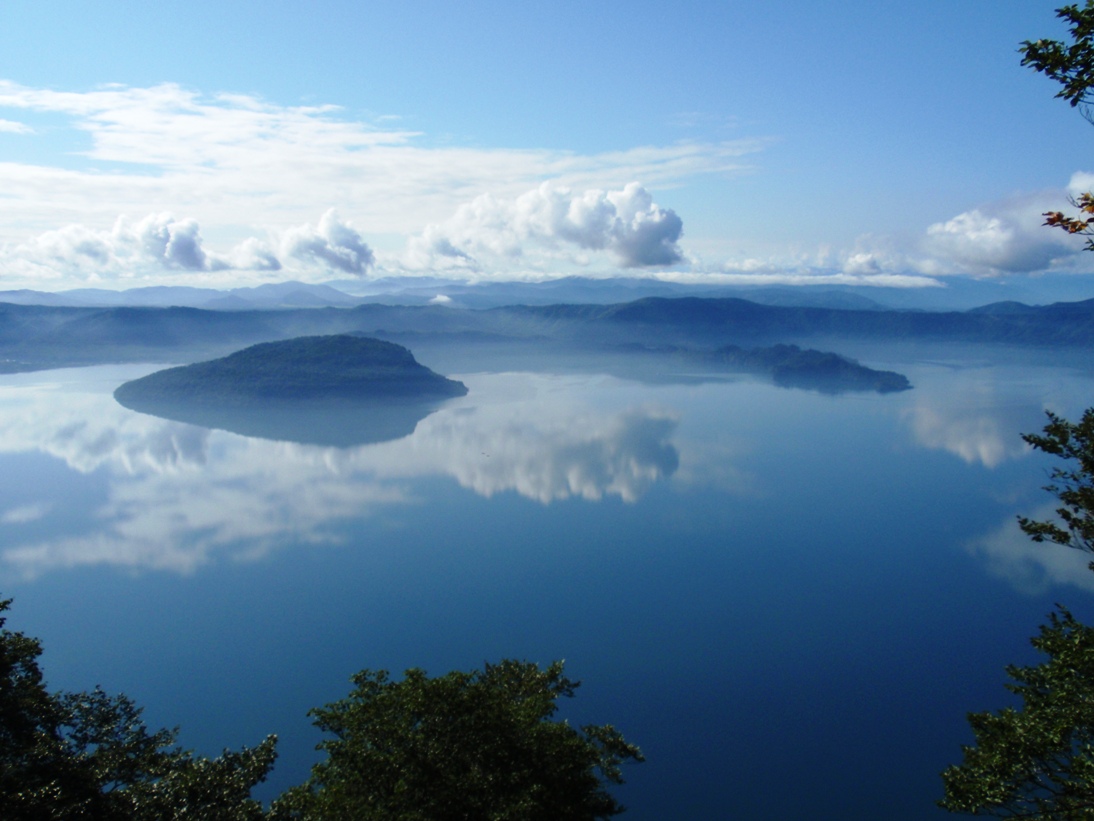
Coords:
37,336
958,294
272,296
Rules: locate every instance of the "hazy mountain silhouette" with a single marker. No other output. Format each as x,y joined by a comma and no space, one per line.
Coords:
54,336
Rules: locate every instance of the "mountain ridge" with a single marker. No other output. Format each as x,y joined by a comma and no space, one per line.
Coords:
56,336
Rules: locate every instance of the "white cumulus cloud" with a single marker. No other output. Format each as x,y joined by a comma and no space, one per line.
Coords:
1001,238
160,243
170,242
156,243
552,221
332,242
254,255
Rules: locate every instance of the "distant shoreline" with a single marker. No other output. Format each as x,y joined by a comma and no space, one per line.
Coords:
43,337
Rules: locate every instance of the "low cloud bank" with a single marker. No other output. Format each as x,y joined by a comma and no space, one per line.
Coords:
158,240
161,243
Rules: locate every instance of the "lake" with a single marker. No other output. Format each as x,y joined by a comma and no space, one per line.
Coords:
788,600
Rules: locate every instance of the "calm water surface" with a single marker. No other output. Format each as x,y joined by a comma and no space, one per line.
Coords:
788,600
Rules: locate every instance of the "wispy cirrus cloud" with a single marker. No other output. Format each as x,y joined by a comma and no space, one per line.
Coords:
13,127
217,183
242,167
170,184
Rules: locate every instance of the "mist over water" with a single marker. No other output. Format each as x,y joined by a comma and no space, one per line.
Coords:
757,585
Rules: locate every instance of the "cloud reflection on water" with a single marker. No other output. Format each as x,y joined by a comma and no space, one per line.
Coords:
88,431
980,424
1029,566
582,454
178,495
980,438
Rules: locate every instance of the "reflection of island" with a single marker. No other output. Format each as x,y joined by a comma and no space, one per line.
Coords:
331,424
329,390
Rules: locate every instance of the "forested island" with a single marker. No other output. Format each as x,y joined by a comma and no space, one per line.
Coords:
339,390
788,366
341,366
794,367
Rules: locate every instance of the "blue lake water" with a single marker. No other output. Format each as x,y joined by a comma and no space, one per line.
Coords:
789,600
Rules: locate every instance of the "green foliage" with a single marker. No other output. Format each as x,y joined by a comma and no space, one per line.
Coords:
1073,485
88,755
1070,64
478,745
468,746
1037,761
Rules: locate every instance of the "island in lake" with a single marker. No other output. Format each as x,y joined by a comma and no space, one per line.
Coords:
787,366
332,390
793,367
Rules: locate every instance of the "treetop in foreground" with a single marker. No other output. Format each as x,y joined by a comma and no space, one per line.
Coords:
1037,761
1073,485
1069,64
478,746
465,745
88,755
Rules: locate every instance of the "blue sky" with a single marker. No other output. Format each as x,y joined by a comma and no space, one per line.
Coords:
233,143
